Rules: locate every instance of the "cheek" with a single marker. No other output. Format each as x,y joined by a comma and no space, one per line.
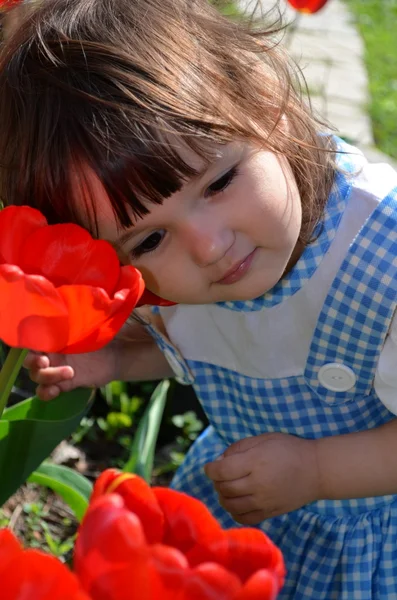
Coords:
277,195
169,279
283,213
291,217
276,220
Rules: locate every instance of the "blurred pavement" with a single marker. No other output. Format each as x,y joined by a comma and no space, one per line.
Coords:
329,50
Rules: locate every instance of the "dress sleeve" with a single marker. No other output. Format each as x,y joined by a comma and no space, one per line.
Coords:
386,374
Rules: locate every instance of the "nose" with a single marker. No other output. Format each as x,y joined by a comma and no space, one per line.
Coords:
207,241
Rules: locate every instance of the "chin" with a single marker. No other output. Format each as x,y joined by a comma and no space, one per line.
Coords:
253,292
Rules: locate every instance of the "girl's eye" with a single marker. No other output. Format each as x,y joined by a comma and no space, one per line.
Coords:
222,183
148,244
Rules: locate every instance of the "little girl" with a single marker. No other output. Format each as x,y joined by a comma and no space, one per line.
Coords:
178,136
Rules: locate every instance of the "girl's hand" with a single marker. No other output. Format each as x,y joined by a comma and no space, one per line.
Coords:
131,356
265,476
56,373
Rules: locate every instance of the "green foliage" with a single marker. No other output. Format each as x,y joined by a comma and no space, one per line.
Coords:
190,427
84,430
377,23
34,514
123,409
56,546
144,443
229,8
29,432
73,488
38,534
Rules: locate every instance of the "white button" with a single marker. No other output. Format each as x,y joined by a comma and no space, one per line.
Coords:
336,377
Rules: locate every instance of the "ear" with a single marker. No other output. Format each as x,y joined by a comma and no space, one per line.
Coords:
150,298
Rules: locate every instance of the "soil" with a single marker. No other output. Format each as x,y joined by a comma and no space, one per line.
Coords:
57,515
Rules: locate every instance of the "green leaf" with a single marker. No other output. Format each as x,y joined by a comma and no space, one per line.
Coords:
145,440
73,488
29,432
118,420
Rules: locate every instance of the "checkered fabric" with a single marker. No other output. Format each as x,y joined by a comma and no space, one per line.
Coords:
334,550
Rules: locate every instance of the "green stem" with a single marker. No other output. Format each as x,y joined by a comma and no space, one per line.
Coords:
9,373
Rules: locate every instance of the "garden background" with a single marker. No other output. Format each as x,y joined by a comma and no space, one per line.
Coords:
349,58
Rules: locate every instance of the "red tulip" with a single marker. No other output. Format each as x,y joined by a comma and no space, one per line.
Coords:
60,290
114,562
138,498
121,555
170,546
307,6
8,4
188,522
33,575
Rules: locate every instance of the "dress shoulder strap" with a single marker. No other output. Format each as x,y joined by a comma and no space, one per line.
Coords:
359,307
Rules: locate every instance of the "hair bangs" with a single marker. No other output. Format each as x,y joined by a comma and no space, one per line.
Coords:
145,169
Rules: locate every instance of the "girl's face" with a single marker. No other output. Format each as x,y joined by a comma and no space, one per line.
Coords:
229,234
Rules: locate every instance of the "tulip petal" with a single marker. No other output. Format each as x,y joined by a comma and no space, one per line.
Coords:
138,498
250,550
111,553
32,313
100,531
263,585
242,550
66,254
101,485
32,574
187,520
17,223
94,317
172,569
131,279
210,581
8,4
9,548
307,6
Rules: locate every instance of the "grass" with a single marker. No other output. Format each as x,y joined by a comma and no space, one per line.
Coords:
227,7
377,23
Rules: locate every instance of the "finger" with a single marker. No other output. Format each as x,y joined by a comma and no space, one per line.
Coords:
228,468
253,517
49,392
234,488
51,375
238,506
33,360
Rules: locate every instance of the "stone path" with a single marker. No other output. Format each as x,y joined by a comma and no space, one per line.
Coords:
329,51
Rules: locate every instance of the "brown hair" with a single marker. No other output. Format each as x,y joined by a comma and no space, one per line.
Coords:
108,83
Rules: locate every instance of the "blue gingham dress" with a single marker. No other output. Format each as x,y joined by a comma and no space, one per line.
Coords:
345,550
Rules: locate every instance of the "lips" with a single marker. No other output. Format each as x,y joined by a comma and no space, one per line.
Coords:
238,271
